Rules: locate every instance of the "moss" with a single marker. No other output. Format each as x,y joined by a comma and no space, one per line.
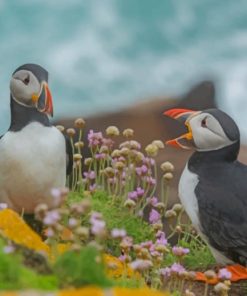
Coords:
116,216
81,268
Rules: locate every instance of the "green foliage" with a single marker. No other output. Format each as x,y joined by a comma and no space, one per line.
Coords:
116,216
13,275
81,268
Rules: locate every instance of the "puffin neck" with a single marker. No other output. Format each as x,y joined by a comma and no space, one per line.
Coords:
22,116
226,154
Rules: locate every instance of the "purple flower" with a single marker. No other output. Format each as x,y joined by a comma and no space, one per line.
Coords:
177,268
140,264
8,249
100,156
92,187
3,206
108,142
72,222
165,272
132,195
154,216
147,244
140,191
180,251
224,274
140,171
118,233
122,258
49,232
149,161
150,180
152,200
161,238
94,139
51,218
89,175
98,227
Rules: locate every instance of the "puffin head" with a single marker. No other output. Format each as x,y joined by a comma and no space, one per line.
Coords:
29,88
207,130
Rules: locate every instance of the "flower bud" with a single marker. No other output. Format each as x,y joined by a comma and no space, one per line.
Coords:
221,289
167,167
82,232
79,123
151,150
124,151
157,226
79,145
104,149
168,176
119,165
60,128
109,171
210,274
116,153
160,206
128,133
159,144
70,132
77,157
88,161
177,208
129,203
170,214
112,131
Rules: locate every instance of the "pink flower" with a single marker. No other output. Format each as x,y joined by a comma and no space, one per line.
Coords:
8,249
118,233
3,206
89,175
150,180
51,218
180,251
94,139
141,265
177,268
49,232
152,200
98,227
147,244
92,187
140,171
100,156
140,191
224,274
165,272
161,238
132,195
154,216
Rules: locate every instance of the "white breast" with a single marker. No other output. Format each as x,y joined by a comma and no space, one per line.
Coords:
187,185
32,162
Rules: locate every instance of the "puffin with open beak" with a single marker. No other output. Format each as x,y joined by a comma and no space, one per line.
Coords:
34,155
213,185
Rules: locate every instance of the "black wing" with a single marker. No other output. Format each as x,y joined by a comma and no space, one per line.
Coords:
223,211
69,156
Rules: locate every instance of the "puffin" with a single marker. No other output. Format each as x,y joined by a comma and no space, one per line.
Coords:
34,155
213,184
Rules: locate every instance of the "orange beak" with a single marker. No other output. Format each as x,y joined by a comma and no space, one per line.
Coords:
43,101
182,115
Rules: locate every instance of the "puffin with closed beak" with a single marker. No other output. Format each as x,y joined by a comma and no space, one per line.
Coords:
213,185
34,155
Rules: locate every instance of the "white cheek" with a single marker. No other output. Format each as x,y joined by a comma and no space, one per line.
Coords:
23,92
207,140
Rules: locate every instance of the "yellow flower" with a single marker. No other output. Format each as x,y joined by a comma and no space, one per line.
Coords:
13,227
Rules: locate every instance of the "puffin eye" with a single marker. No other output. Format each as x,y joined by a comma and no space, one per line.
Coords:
26,80
204,123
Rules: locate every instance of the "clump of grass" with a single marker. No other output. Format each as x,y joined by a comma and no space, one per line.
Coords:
85,267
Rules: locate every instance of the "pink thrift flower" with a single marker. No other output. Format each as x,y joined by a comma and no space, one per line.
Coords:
139,191
132,195
180,251
177,268
118,233
3,206
165,272
154,216
51,218
152,200
161,238
8,249
224,274
141,265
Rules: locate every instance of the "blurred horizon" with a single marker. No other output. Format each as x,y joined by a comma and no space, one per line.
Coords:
106,55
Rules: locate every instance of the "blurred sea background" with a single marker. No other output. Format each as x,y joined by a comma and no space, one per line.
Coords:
106,54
